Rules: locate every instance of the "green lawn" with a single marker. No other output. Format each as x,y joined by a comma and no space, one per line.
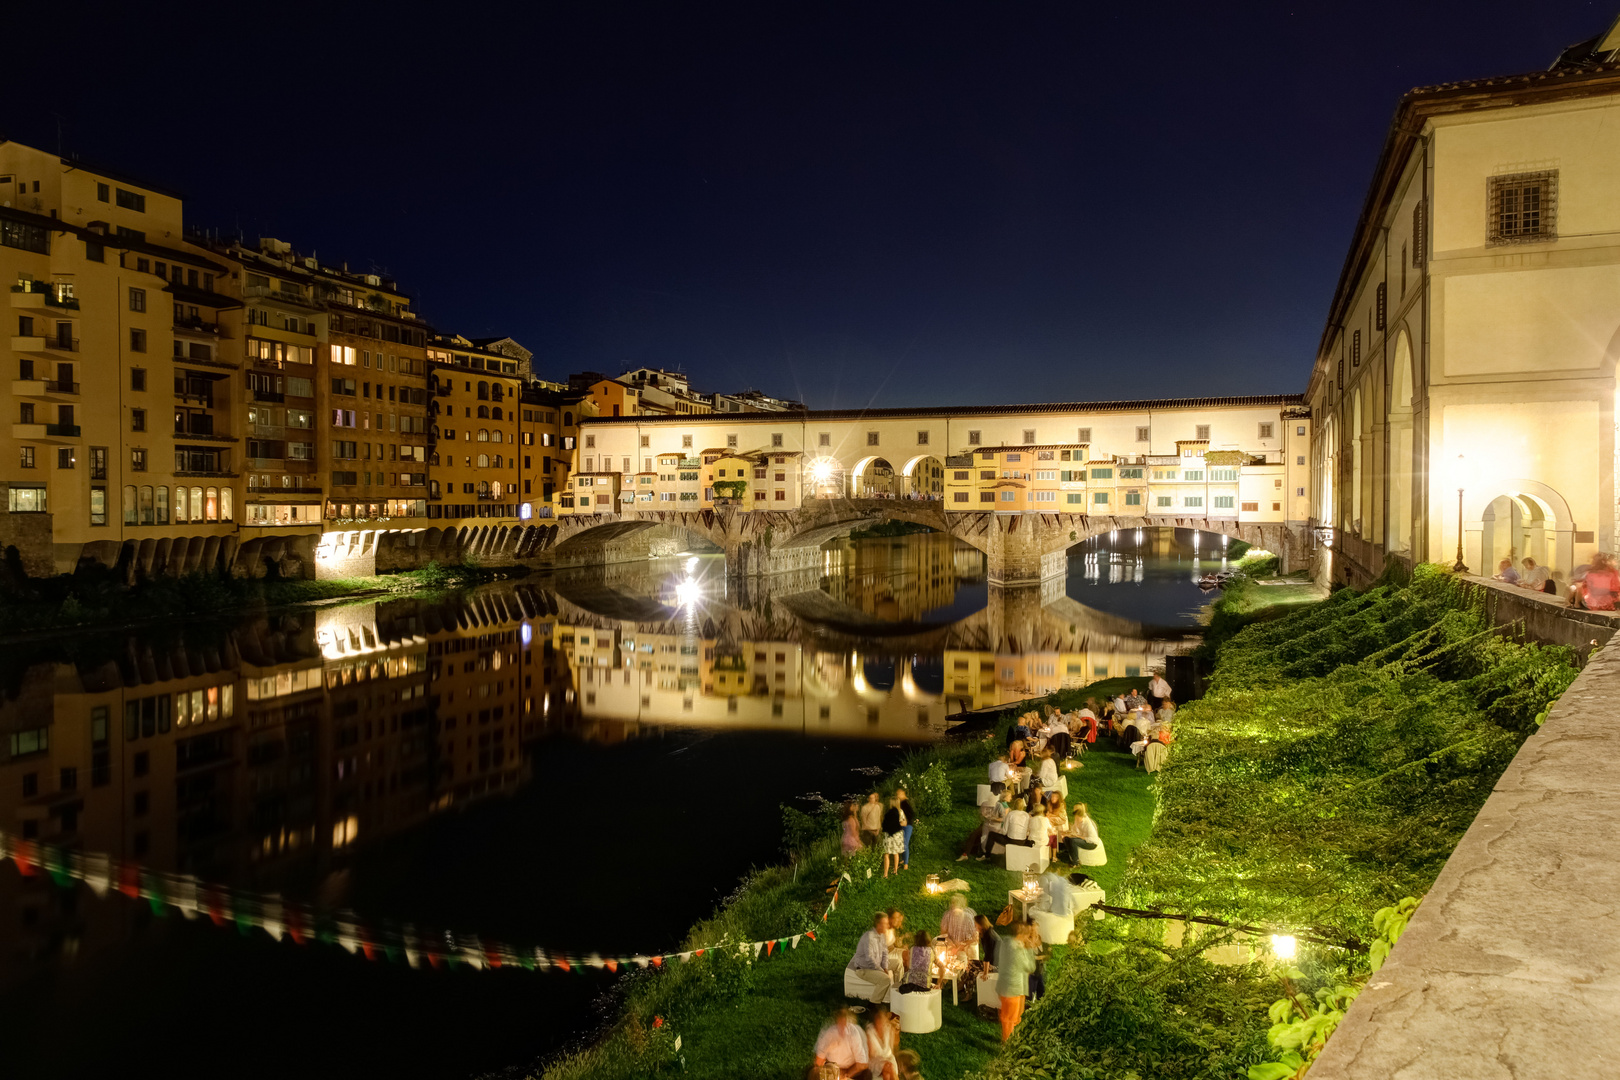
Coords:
769,1030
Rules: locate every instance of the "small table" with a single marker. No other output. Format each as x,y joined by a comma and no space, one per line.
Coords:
952,972
1024,897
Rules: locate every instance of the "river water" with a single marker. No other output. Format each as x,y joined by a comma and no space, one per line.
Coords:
584,763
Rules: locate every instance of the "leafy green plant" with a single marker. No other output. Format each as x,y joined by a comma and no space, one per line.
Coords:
1300,1026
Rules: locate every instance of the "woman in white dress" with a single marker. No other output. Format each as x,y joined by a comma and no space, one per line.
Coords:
1082,828
882,1040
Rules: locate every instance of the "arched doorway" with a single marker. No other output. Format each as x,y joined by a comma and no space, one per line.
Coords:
1520,518
923,477
1398,536
875,478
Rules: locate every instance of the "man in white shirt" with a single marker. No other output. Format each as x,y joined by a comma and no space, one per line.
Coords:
1158,689
869,968
998,775
842,1044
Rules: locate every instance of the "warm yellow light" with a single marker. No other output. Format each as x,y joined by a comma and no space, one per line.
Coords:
687,593
1283,946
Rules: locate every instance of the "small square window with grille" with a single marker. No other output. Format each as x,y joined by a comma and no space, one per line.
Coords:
1201,431
973,438
871,438
922,438
824,439
1029,435
1085,435
1142,434
1523,207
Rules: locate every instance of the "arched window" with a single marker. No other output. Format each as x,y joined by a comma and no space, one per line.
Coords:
182,505
253,481
433,485
495,436
495,413
483,461
483,391
196,504
147,517
162,506
498,461
212,504
483,487
495,489
225,508
483,412
433,458
286,481
495,391
483,435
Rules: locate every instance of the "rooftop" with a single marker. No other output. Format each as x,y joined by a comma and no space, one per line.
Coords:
946,411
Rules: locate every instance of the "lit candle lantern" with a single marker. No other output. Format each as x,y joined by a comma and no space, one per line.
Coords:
933,883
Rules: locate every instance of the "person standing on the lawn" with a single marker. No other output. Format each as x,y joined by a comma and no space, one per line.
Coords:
911,823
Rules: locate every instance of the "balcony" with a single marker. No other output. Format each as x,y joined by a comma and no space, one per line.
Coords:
45,432
273,396
280,296
43,388
42,296
206,474
198,327
37,343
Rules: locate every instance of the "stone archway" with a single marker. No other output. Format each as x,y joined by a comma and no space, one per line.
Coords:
875,478
1398,532
1515,518
923,477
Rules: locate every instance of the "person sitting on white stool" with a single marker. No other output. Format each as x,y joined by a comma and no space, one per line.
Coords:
867,973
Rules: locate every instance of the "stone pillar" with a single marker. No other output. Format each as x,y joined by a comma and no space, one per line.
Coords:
1020,550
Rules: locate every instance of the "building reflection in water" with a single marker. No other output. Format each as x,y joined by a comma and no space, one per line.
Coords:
262,754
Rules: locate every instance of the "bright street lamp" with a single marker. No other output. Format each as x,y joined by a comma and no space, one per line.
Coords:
1461,567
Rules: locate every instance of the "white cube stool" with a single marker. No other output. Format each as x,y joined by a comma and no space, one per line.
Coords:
920,1012
1020,858
987,992
1055,929
867,985
985,795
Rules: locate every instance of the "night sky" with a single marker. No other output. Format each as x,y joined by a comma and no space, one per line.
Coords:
863,204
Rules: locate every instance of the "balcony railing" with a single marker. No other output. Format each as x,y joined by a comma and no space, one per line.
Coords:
197,326
269,395
206,473
62,431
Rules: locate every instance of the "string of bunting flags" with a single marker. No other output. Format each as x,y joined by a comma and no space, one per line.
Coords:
303,923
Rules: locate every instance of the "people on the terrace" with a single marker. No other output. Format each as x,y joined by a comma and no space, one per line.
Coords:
1536,578
1084,846
868,969
842,1045
1158,689
1015,830
852,830
1166,713
910,817
1597,588
991,814
1505,572
1017,754
872,819
1089,715
1057,822
1039,830
1057,895
894,835
909,1064
1048,770
998,774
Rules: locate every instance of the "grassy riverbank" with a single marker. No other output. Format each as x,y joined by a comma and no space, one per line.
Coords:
760,1019
97,598
1334,764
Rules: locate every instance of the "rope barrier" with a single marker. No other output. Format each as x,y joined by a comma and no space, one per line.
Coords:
248,911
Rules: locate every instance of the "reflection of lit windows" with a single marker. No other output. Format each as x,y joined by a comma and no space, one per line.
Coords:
344,832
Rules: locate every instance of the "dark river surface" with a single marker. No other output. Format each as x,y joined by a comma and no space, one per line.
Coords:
584,762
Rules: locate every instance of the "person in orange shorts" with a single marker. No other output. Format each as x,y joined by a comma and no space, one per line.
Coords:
1015,962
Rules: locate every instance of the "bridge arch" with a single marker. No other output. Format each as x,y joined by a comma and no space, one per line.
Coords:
924,476
873,476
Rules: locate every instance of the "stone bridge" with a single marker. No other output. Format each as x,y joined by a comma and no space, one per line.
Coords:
1019,549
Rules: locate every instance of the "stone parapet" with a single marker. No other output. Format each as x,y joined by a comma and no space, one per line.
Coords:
1510,969
1546,618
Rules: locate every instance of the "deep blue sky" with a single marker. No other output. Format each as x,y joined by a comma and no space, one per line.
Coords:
872,203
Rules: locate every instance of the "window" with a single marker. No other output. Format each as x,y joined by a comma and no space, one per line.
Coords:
1523,207
1008,496
1379,303
137,299
1133,498
1193,500
1223,475
1193,474
1130,474
922,438
973,438
1299,491
27,461
65,458
590,442
987,496
731,440
132,200
1142,434
1100,498
871,438
1085,435
686,442
1266,430
137,378
1300,460
1223,502
1201,432
137,459
1029,435
776,439
1102,474
1300,430
137,419
103,193
27,500
1074,497
1248,508
1164,500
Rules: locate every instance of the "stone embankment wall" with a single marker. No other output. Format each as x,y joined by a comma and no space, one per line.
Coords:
1546,618
1510,970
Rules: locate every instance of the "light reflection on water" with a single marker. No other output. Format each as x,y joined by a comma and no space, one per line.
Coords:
443,759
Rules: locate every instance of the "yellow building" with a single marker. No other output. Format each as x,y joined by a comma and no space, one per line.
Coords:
475,463
549,439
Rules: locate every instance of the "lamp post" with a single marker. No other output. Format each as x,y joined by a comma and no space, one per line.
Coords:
1461,567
